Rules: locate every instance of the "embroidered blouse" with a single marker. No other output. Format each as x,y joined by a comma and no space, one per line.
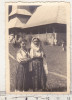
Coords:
22,55
38,52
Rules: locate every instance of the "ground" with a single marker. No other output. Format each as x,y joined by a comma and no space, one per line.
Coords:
56,60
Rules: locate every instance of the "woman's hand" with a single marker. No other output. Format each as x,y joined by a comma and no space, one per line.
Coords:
22,59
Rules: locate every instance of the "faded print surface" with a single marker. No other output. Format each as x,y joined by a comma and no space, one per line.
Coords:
40,66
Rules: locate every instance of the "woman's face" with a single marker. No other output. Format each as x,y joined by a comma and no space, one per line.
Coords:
23,45
36,42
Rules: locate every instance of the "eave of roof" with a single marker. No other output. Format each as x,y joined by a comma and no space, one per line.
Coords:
48,15
20,11
15,23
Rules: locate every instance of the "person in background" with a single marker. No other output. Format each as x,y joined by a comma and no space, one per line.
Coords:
22,74
20,37
63,46
39,65
11,37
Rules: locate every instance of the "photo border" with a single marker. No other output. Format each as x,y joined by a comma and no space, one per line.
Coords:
68,47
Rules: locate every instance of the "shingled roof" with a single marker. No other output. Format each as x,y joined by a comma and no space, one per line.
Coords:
48,14
21,12
15,23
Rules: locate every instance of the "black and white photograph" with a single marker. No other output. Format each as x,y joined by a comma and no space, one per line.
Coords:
38,47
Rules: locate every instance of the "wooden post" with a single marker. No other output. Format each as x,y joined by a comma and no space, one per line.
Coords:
36,98
5,98
26,98
47,98
46,34
38,34
55,37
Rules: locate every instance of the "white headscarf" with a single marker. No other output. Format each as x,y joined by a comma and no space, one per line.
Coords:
35,49
33,46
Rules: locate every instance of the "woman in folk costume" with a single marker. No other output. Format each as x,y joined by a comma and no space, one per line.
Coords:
39,65
23,68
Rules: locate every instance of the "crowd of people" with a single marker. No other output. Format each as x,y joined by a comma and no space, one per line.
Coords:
32,67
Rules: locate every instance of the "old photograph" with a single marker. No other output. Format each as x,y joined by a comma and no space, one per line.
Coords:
38,47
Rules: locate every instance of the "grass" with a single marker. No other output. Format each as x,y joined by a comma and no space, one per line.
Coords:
56,60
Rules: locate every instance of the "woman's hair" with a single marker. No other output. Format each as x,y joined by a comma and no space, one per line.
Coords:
23,40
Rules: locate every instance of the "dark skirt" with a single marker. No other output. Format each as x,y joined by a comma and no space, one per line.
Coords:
38,74
22,76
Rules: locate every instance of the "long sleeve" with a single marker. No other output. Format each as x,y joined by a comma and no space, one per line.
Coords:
22,56
19,58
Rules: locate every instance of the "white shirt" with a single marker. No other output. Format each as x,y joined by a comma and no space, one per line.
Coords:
22,55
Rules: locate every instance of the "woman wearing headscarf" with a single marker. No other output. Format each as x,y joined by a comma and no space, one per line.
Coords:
39,65
23,68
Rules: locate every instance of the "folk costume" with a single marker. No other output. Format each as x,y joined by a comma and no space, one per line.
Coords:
22,70
39,65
